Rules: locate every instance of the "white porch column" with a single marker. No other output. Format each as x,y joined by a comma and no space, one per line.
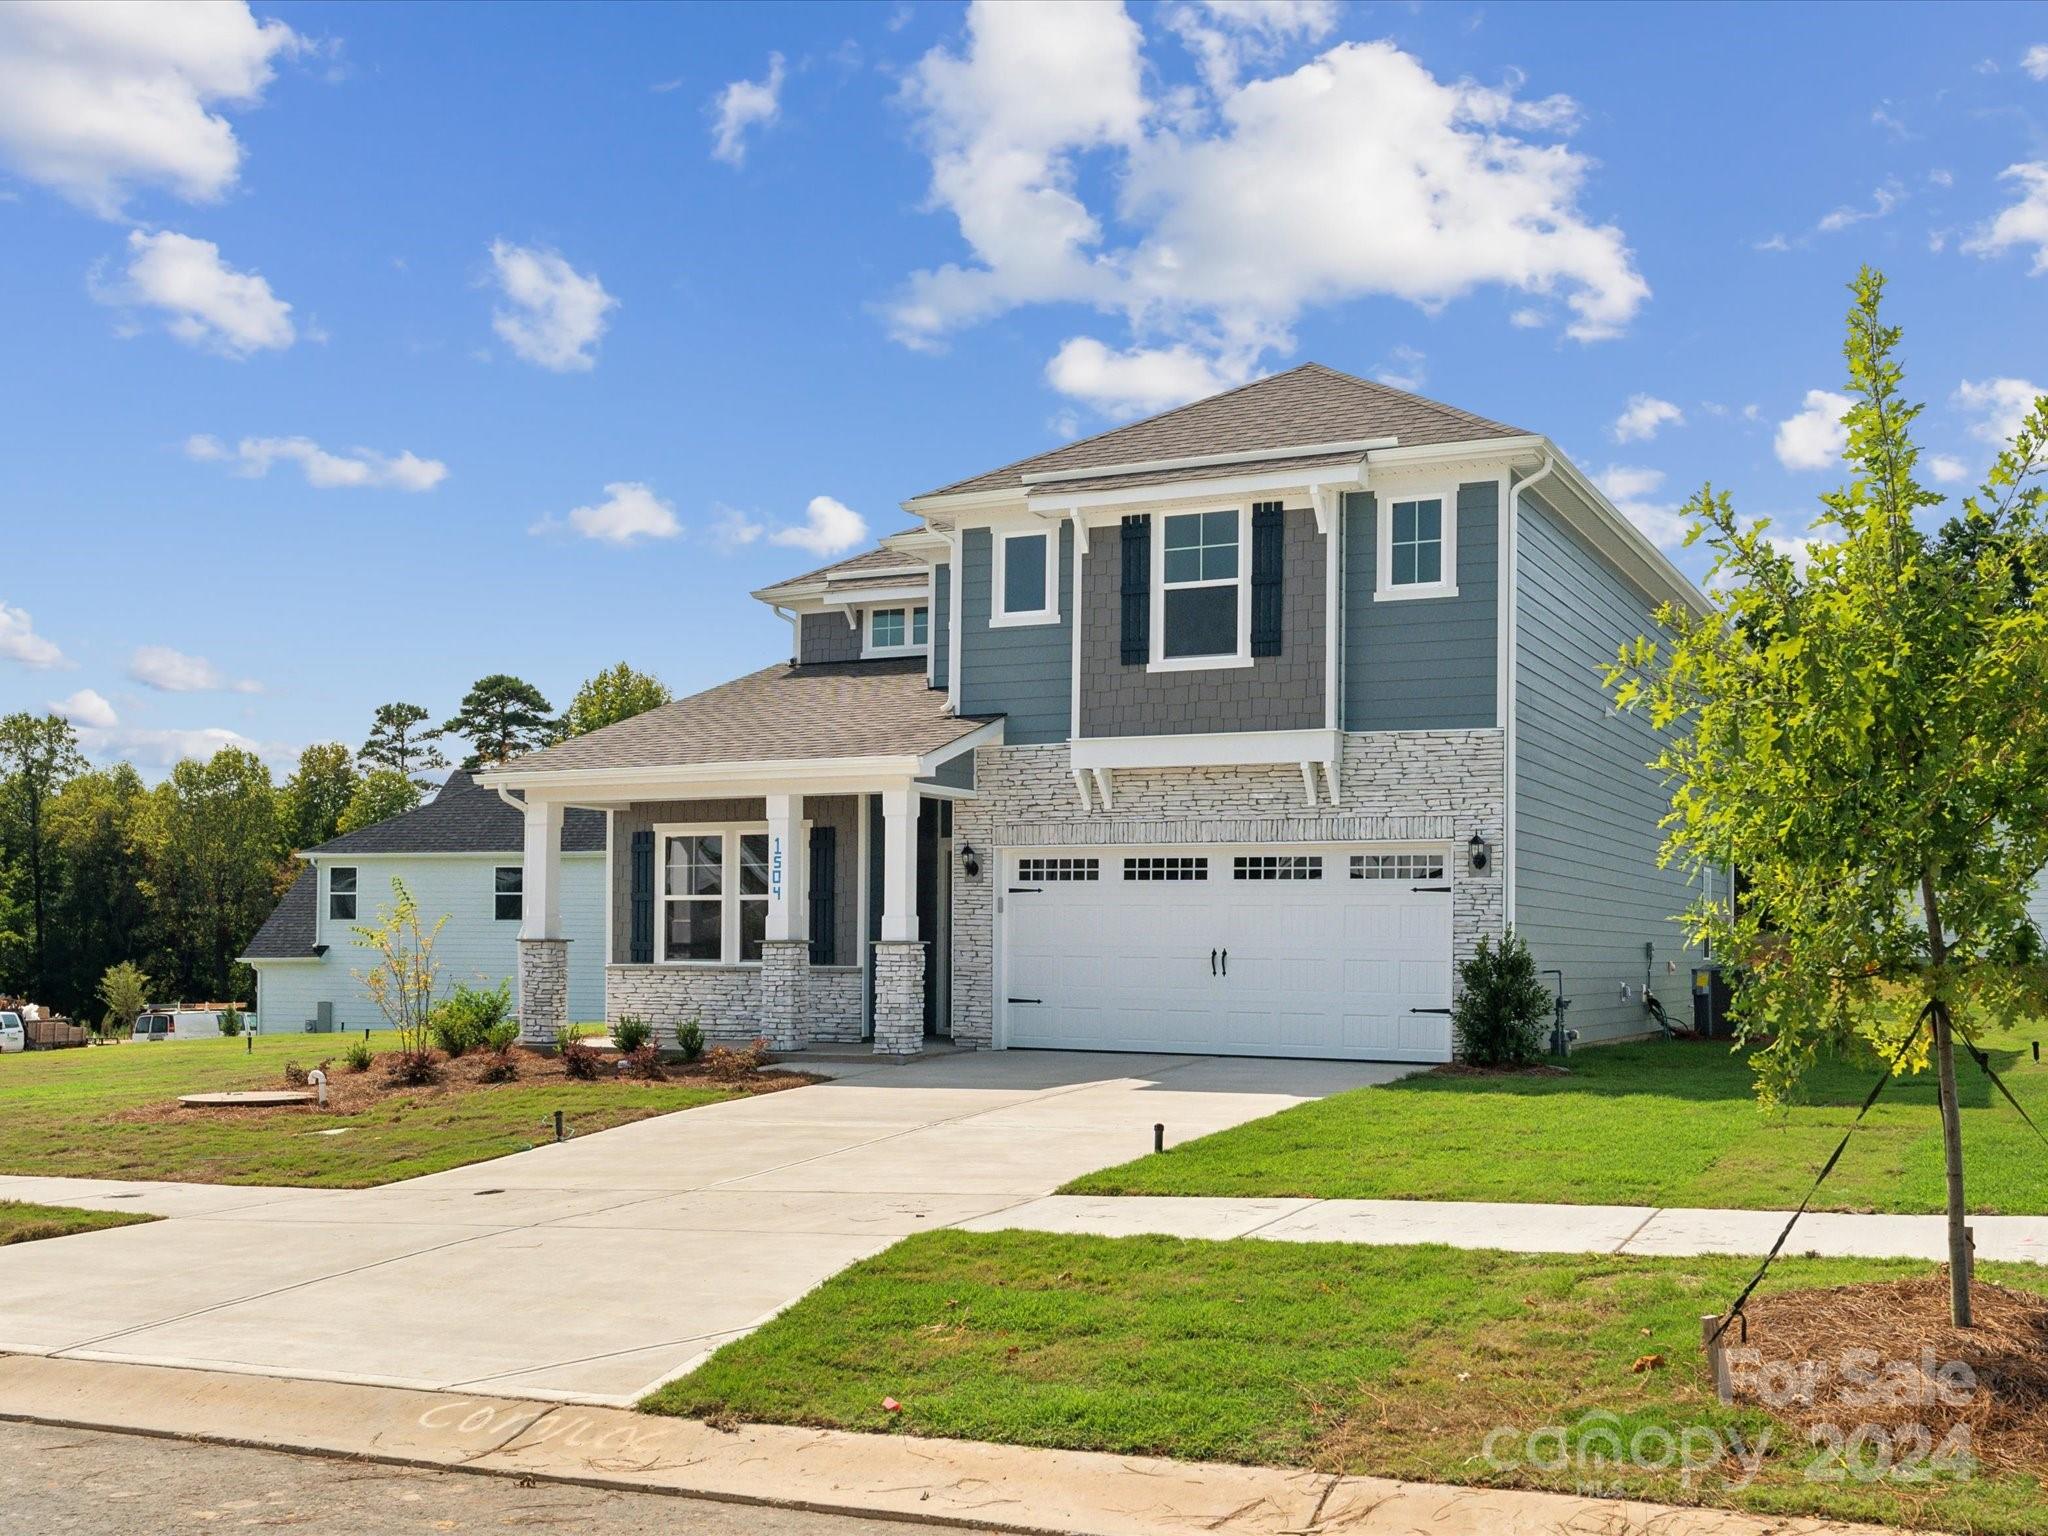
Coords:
789,885
543,952
899,865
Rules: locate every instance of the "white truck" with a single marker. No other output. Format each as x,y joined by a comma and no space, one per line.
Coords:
176,1024
12,1036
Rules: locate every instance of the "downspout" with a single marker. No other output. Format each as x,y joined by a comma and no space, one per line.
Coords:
1511,654
796,634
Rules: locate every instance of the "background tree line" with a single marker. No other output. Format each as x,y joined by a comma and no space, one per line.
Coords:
98,868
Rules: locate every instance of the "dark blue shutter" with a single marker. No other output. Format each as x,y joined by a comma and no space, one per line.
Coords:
1137,591
1269,533
824,895
643,898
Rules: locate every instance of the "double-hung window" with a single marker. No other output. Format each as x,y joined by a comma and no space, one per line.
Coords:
1418,546
714,894
1202,616
341,895
893,630
509,892
1026,588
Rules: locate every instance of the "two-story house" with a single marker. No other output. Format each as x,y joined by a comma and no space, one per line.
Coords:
1231,730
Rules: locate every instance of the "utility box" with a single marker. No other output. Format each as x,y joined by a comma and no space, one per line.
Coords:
1710,998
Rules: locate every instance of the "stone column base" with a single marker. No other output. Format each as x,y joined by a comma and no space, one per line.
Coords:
543,989
899,998
785,993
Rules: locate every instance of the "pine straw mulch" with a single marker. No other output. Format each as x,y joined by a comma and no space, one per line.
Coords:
1466,1069
2004,1400
353,1092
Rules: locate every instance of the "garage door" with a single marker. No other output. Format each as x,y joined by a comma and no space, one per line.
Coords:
1260,950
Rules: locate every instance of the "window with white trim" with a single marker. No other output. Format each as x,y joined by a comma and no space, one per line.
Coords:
1418,545
341,894
714,895
1042,871
1397,866
1201,580
1026,586
896,631
509,892
1168,867
1277,866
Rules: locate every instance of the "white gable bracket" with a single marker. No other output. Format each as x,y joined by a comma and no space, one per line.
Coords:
1102,788
1081,789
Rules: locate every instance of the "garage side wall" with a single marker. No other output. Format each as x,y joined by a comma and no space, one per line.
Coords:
1397,786
1588,893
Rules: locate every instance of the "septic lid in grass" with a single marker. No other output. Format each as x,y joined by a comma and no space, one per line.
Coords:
252,1098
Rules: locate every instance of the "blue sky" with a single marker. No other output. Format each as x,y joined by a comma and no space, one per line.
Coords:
600,317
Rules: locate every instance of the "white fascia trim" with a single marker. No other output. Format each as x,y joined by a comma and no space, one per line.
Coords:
1207,749
502,855
819,775
964,501
1224,488
258,962
812,586
832,599
989,735
920,543
1206,460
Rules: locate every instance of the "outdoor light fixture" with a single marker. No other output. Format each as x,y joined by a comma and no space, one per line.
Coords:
1479,854
970,861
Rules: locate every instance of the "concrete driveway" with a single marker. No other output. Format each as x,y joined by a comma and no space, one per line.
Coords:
595,1270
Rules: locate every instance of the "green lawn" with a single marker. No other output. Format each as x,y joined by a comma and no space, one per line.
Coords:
1397,1362
77,1113
1664,1123
24,1222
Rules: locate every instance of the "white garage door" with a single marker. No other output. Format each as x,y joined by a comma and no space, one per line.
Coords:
1261,950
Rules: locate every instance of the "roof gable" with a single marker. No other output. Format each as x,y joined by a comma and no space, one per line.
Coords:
463,817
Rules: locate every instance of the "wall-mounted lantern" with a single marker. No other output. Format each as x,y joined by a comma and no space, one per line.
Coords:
1479,854
970,861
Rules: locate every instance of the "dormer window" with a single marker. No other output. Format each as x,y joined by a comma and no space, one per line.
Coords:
901,631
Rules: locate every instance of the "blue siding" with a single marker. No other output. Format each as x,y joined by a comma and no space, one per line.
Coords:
1025,672
1588,892
1429,663
941,622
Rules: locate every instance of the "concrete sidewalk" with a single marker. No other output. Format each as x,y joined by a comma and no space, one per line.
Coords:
1004,1488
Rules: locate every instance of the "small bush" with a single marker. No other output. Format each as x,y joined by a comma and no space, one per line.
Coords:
578,1060
294,1075
465,1019
499,1067
1502,1006
502,1036
411,1069
725,1064
690,1039
630,1033
230,1023
644,1062
358,1057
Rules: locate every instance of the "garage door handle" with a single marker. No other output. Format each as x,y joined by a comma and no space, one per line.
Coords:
1032,890
1445,889
1041,1000
1212,962
1226,962
1429,1010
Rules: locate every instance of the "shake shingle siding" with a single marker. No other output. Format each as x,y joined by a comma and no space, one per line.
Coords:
1024,672
1427,664
1589,895
941,623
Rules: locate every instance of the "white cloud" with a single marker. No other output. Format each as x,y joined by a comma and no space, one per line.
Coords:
742,105
1775,243
96,100
2035,62
1227,36
2024,223
1443,193
734,529
830,527
1643,416
1527,319
206,302
162,748
1941,178
1999,405
1883,200
1134,382
171,671
556,313
629,513
1631,488
1406,368
86,708
1814,437
360,467
1947,468
20,642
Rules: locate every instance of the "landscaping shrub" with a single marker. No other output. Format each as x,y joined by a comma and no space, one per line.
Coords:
358,1057
631,1033
499,1067
230,1023
725,1064
502,1036
465,1020
644,1062
294,1075
578,1060
690,1039
1502,1006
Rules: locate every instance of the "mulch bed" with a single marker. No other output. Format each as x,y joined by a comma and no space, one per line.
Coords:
351,1092
1904,1325
1466,1069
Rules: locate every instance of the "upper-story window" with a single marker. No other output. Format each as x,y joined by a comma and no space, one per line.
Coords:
1201,615
341,895
1418,546
897,630
1026,587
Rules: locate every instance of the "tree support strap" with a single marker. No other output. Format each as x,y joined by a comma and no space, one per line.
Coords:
1827,1168
1983,1061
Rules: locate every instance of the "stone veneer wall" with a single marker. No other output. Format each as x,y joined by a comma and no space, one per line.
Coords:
543,989
899,997
725,1000
837,996
1395,786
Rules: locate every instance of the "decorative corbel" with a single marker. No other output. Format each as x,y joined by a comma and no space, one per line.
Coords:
1081,789
1102,788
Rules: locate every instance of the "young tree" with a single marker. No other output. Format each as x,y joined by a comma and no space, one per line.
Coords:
402,978
615,694
125,991
313,799
1866,740
395,743
37,755
501,717
382,794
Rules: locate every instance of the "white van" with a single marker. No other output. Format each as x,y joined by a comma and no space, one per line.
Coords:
12,1036
161,1024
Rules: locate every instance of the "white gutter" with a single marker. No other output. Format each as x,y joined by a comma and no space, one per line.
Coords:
1512,562
1205,460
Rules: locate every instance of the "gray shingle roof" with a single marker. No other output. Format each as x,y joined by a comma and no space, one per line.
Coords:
823,710
288,933
463,817
1309,404
854,565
